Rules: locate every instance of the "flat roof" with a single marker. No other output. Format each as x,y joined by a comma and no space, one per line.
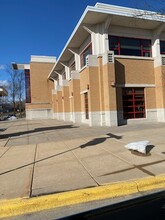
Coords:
20,66
34,58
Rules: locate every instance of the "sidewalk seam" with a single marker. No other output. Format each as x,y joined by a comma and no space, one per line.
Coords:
5,146
131,164
32,176
86,169
82,164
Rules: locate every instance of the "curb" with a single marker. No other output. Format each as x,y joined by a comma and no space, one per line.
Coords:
22,206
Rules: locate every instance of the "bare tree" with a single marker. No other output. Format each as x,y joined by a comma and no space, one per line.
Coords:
16,86
155,6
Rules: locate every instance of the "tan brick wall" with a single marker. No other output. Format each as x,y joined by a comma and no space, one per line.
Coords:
30,106
59,102
54,104
41,87
74,89
84,82
160,86
150,98
65,99
108,90
89,80
84,79
101,83
94,89
134,71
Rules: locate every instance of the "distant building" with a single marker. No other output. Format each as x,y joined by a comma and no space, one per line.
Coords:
3,91
38,88
110,72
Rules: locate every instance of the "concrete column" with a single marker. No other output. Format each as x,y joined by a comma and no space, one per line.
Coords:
160,93
59,105
110,103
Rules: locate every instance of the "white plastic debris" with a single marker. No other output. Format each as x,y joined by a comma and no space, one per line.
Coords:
139,146
12,118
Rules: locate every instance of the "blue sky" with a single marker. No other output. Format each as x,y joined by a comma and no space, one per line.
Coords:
42,27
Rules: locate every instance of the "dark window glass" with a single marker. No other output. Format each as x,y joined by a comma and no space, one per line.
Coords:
162,47
86,105
130,46
114,45
133,103
146,44
27,86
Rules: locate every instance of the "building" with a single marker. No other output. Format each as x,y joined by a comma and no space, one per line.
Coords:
110,72
38,87
3,91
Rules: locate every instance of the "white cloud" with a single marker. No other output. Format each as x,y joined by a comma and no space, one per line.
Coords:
2,67
4,83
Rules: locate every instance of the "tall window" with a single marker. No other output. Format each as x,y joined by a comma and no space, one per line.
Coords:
133,103
27,86
86,105
84,54
130,46
72,67
162,47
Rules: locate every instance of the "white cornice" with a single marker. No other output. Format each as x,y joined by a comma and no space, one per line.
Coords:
43,59
130,12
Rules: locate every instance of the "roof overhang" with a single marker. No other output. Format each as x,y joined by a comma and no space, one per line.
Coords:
120,16
17,66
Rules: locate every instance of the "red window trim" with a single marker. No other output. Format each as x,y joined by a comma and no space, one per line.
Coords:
89,46
133,111
141,45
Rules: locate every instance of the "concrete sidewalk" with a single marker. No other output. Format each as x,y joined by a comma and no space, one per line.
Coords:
49,156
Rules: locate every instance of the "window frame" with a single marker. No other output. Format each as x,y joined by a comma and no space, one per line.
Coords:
142,46
133,102
82,57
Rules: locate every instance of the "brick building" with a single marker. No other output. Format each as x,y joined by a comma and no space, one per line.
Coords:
38,87
110,72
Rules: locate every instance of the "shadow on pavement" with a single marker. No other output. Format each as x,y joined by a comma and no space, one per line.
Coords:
100,140
93,142
2,129
3,136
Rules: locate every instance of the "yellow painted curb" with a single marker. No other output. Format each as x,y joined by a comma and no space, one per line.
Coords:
22,206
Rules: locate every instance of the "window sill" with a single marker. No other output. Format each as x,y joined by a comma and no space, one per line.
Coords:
133,57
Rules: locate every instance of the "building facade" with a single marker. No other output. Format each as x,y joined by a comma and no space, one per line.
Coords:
110,72
38,89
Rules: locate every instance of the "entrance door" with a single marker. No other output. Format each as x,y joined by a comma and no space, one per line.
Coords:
133,103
